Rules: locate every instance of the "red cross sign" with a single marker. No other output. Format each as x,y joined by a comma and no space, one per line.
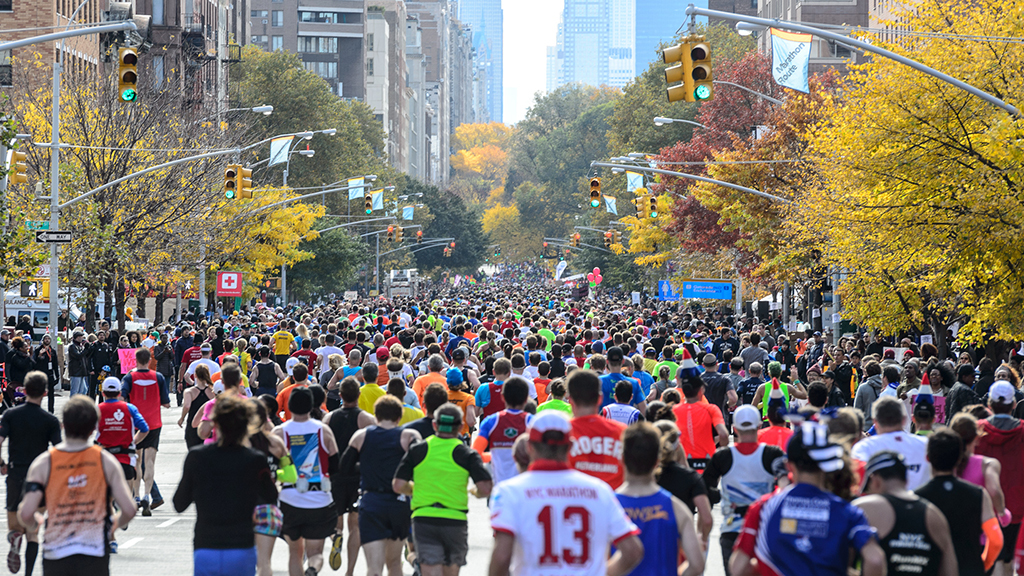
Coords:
229,284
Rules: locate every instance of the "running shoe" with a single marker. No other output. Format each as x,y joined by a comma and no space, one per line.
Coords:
310,571
113,547
156,504
146,509
335,558
14,556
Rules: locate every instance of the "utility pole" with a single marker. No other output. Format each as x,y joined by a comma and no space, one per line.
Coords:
377,270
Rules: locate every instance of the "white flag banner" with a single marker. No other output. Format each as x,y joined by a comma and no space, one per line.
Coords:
279,150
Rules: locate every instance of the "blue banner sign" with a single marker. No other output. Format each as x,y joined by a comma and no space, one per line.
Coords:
707,290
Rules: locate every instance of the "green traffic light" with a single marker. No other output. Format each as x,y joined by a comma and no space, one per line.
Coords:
654,214
702,92
129,95
229,194
369,211
595,203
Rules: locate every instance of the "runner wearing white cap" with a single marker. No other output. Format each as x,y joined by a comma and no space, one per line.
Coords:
555,521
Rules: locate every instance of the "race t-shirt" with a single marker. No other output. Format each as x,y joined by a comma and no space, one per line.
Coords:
697,423
597,448
282,343
913,449
563,521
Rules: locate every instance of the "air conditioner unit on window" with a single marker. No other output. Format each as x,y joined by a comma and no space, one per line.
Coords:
264,22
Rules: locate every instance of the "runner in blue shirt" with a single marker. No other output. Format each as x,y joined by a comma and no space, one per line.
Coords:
614,375
803,530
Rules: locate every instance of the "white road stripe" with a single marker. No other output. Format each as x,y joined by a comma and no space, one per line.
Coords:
129,543
167,523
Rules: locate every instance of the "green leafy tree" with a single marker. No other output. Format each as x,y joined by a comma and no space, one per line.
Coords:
337,255
450,218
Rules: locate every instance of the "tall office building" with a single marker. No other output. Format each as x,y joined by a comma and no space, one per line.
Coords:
486,20
621,48
585,30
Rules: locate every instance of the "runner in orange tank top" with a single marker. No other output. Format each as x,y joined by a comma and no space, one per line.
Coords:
78,479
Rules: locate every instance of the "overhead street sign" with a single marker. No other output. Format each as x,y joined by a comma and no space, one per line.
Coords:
37,224
53,236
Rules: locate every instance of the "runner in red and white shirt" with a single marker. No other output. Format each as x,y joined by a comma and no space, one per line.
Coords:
554,521
596,440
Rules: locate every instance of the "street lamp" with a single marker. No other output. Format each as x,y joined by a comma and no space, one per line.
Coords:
661,121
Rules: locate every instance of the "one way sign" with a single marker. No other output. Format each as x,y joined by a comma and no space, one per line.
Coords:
53,236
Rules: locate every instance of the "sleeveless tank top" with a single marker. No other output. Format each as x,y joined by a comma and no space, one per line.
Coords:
266,379
116,430
496,403
742,485
909,549
344,423
77,499
379,458
974,470
305,445
960,502
656,519
191,432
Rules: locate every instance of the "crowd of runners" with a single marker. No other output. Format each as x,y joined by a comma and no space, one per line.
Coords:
600,433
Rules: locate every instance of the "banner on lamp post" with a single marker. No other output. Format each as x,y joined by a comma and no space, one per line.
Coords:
791,58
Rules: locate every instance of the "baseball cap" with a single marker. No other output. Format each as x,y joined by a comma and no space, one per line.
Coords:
111,384
882,461
454,377
459,353
811,445
746,417
614,354
597,347
1001,392
550,427
889,355
290,364
382,353
218,387
106,368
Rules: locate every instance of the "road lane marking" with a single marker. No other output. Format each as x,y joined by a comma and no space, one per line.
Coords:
130,543
167,523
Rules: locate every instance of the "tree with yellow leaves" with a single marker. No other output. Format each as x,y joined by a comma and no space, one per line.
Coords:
924,183
481,160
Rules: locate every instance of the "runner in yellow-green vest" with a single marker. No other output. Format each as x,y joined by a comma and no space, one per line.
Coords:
764,391
435,473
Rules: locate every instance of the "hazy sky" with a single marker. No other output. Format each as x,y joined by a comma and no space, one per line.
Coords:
530,27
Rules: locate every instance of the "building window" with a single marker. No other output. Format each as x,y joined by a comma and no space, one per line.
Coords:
753,4
369,65
6,6
276,43
255,39
258,13
314,44
158,12
329,17
277,18
158,71
6,72
369,42
328,70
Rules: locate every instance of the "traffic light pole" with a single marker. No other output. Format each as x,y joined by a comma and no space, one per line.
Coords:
692,10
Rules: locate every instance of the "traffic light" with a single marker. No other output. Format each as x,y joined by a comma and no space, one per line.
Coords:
391,233
497,251
17,171
654,205
679,77
231,181
690,79
567,252
700,59
595,192
127,74
608,239
419,236
399,235
638,202
368,202
244,182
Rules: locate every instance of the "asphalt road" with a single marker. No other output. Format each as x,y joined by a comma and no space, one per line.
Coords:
161,545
